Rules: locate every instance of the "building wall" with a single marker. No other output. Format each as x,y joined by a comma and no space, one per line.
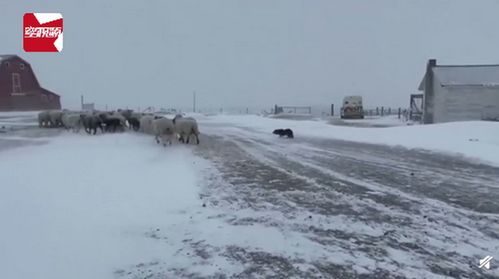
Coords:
31,96
463,103
429,90
28,102
29,82
438,102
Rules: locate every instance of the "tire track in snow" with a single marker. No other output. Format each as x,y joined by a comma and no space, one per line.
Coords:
415,222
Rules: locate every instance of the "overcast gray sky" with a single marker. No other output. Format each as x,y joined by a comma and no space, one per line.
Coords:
251,53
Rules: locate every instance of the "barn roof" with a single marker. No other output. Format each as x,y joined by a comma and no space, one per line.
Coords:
12,56
7,56
48,92
465,75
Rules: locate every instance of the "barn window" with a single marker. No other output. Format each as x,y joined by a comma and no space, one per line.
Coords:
21,66
16,83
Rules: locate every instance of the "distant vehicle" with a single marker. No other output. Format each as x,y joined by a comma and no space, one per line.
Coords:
352,108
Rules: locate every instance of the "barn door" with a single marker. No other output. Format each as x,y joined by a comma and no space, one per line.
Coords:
16,83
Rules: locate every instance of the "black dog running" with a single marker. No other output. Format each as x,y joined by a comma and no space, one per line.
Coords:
284,132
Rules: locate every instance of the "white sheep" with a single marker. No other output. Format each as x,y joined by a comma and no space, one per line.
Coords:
146,124
72,120
117,115
164,130
44,119
185,127
56,118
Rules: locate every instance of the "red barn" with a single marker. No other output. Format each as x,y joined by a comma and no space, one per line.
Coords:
19,88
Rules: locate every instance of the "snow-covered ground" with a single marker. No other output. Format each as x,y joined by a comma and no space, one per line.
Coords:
478,140
372,121
15,118
117,205
91,207
245,204
79,207
293,116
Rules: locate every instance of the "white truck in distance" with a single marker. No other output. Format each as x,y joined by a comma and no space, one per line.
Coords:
352,108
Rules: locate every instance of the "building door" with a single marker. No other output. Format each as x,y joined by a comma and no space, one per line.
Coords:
16,83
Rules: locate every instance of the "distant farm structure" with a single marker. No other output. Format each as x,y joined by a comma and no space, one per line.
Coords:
19,88
460,92
87,106
292,109
416,107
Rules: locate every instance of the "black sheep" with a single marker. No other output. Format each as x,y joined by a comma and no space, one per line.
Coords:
112,124
91,123
134,123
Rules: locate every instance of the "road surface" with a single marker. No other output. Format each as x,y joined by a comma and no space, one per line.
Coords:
387,208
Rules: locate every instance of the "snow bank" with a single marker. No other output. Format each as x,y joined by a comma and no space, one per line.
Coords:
371,121
292,116
474,139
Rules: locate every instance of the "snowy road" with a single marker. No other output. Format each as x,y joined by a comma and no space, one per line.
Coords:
243,204
374,211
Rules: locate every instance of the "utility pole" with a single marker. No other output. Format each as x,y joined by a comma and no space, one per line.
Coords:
194,101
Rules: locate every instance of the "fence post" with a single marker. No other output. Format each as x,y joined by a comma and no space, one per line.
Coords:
377,111
332,109
382,110
400,110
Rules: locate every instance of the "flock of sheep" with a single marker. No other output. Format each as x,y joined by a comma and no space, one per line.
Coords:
165,130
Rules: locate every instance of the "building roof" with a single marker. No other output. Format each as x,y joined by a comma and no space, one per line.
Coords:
465,75
6,56
48,92
12,56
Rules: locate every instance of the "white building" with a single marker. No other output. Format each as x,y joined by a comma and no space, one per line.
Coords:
460,92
